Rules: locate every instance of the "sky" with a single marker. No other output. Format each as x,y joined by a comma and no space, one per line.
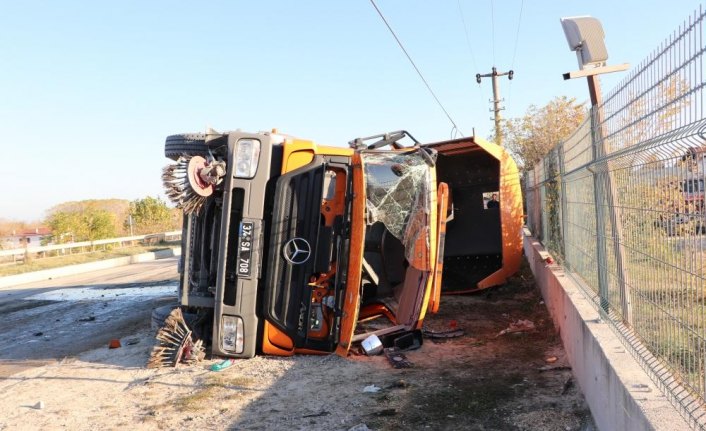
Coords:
89,90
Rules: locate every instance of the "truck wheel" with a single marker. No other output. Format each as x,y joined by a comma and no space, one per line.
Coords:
193,144
159,315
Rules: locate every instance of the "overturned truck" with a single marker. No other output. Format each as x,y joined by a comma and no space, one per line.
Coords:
288,245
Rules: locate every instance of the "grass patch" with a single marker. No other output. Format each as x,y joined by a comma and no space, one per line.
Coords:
229,382
38,264
212,386
196,401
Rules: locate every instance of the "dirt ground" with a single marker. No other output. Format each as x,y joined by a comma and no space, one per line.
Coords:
478,381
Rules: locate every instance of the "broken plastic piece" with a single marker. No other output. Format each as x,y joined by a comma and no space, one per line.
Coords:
408,340
372,345
371,389
519,326
222,365
397,359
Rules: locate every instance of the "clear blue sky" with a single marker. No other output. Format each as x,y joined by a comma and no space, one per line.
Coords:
89,90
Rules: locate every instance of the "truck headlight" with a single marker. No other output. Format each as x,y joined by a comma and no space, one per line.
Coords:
247,154
232,334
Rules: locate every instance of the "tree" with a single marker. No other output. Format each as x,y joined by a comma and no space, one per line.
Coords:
150,215
532,136
119,208
85,224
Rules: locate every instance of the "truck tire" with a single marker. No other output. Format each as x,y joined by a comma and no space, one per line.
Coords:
159,315
193,144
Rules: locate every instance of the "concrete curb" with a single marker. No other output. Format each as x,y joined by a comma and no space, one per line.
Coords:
48,274
620,394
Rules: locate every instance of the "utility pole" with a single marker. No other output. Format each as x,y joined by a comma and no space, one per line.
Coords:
496,99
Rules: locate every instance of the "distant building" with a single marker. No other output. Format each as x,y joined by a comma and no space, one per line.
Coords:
27,238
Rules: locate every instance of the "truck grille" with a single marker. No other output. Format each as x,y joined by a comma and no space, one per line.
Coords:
296,214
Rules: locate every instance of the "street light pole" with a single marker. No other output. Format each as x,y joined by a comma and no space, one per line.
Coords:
585,37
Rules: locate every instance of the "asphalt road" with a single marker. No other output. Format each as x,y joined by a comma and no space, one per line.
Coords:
48,321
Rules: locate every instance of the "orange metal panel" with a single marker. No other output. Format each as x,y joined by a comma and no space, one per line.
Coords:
443,202
375,310
351,302
276,342
511,217
298,153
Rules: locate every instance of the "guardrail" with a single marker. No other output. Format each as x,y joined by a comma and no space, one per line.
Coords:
164,236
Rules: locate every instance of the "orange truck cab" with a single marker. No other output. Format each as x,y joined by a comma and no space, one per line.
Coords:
293,247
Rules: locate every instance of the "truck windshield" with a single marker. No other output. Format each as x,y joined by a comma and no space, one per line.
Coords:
398,188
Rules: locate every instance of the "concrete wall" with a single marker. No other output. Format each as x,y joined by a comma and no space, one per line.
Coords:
619,393
48,274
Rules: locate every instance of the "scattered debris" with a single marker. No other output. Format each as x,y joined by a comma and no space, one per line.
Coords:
38,334
359,427
451,333
400,384
317,415
175,344
640,387
550,360
548,368
114,344
132,341
519,326
39,405
411,340
371,389
568,385
372,345
397,358
87,319
222,365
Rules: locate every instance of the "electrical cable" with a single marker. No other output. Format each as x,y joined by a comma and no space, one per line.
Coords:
517,35
514,51
415,66
470,50
492,26
465,30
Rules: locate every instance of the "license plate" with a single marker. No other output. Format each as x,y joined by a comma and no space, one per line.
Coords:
245,244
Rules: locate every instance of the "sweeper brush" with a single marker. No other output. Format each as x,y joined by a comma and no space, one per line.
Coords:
175,344
191,180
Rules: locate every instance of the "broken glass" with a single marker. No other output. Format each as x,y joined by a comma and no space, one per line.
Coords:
398,189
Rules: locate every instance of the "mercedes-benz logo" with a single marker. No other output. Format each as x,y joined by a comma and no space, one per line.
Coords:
297,251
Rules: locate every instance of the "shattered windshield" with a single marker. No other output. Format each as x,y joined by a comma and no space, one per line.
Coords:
398,189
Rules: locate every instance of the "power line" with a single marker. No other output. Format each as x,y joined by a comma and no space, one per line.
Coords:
465,30
514,51
517,35
415,66
492,24
468,43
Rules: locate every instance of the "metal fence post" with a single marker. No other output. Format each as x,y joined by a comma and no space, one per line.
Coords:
562,197
603,182
601,258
